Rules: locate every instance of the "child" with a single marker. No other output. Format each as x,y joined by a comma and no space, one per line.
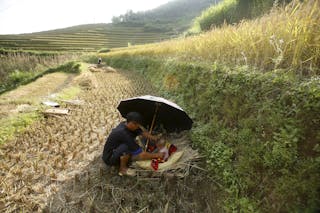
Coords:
162,148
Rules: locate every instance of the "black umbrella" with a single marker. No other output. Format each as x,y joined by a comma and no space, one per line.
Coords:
157,111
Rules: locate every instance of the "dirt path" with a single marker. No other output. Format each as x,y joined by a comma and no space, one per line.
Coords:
55,165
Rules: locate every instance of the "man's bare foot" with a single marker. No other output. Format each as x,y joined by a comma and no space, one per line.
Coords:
127,172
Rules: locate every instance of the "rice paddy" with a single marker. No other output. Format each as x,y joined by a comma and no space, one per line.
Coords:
83,38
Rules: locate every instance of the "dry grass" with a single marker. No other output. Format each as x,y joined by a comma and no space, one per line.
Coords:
287,38
30,62
183,166
87,81
55,165
99,189
52,150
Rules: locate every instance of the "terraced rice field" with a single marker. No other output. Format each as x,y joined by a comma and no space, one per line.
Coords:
85,38
55,165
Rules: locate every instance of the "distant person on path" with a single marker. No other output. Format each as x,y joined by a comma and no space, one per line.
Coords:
121,146
99,61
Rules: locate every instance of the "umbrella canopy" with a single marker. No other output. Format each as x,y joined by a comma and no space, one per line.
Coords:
168,114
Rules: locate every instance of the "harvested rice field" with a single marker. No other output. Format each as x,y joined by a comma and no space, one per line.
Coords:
55,165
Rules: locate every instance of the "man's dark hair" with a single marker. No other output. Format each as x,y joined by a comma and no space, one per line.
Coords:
134,116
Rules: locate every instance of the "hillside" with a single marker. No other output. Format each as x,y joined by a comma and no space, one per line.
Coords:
83,38
175,16
162,23
253,90
251,87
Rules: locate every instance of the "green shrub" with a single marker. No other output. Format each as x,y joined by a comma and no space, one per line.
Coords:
70,67
232,11
19,77
90,58
217,15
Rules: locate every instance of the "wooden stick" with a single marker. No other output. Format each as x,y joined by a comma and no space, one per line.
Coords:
152,125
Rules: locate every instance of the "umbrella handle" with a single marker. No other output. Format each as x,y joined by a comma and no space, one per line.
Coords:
152,125
142,128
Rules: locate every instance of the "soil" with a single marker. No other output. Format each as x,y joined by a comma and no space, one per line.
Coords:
56,166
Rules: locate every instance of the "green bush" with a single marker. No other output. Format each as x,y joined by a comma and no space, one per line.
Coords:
70,67
217,15
90,58
232,11
259,131
18,77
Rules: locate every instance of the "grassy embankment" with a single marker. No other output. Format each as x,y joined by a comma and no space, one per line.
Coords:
253,90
